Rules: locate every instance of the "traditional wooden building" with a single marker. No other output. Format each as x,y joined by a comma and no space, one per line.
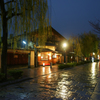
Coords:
42,55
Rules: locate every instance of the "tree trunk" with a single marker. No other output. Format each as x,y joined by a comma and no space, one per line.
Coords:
4,49
5,35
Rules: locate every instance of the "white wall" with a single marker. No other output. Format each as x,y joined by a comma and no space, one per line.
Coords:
32,56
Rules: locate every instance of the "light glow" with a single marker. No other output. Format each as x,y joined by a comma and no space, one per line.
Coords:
43,70
24,42
49,54
64,45
93,69
71,57
43,64
39,54
98,56
92,59
55,56
93,53
50,57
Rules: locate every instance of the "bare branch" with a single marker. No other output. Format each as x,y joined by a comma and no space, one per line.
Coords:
12,9
95,26
13,14
9,1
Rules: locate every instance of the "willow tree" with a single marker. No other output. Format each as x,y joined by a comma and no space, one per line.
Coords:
19,16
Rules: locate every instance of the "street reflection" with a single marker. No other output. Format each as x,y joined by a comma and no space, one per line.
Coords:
93,70
43,68
45,71
62,88
65,84
77,83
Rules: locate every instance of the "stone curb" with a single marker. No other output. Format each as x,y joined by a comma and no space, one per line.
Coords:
96,93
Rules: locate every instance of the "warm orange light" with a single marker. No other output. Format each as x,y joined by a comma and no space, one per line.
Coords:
43,64
49,54
39,54
43,70
50,58
93,53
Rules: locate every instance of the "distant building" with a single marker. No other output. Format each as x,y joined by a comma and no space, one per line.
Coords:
44,55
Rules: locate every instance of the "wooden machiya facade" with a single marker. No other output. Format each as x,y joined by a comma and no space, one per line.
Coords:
19,57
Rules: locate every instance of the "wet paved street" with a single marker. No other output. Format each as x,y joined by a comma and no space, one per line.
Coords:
77,83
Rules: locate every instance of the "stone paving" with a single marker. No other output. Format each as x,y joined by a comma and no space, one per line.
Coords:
77,83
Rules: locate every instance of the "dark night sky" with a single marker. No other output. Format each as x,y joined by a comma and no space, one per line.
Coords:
70,17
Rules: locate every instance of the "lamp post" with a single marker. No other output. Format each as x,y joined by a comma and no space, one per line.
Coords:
93,57
24,42
64,46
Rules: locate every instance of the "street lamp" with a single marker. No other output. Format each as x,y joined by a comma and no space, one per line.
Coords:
24,42
93,53
64,46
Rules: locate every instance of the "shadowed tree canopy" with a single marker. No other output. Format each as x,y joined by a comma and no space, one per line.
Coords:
19,16
77,50
88,43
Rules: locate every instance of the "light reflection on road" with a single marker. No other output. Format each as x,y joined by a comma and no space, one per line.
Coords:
71,84
43,68
93,71
62,90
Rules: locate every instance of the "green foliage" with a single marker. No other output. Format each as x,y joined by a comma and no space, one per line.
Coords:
96,60
88,43
70,44
83,62
2,76
15,73
61,66
77,49
68,65
74,46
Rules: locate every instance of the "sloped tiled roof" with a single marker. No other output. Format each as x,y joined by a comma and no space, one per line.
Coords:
57,33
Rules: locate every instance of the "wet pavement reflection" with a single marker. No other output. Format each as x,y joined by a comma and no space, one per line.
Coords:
77,83
35,72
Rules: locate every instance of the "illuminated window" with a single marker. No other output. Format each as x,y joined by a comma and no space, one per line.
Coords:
44,56
54,56
15,56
